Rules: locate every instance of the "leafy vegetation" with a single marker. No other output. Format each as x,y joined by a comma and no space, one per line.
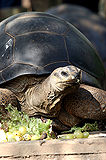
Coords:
18,126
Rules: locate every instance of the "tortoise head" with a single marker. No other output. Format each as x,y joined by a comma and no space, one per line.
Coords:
66,79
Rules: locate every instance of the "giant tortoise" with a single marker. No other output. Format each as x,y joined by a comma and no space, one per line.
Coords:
92,25
48,68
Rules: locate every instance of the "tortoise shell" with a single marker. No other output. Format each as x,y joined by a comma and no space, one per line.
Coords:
92,25
37,43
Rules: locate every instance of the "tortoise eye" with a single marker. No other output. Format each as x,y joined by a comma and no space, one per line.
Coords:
63,73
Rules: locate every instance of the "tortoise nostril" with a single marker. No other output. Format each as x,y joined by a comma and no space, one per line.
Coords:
63,73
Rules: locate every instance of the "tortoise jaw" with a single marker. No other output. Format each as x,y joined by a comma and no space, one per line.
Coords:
68,86
72,82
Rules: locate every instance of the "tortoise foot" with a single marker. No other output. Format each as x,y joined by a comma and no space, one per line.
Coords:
7,97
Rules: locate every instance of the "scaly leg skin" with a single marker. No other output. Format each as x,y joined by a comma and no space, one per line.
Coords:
7,97
58,125
88,102
68,119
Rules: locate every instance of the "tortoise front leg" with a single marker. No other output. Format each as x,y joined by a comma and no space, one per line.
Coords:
7,97
68,119
88,102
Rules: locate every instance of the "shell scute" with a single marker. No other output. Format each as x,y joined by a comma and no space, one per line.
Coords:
40,49
19,68
26,25
6,51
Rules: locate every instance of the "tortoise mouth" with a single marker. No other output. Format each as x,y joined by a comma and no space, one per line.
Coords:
68,86
70,83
